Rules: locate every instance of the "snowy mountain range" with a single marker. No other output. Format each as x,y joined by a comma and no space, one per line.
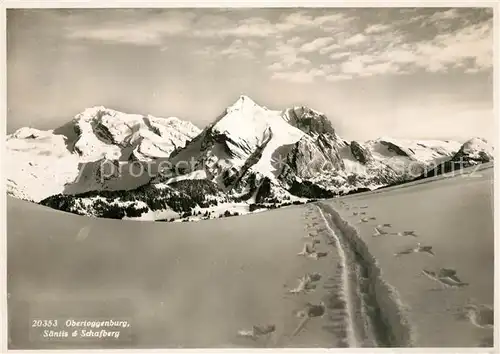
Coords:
111,164
44,163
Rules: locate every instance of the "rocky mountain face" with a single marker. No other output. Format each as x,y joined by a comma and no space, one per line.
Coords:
73,158
249,157
473,152
112,135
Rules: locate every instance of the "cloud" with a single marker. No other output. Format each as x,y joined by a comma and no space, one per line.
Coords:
302,76
334,23
288,61
474,42
282,48
147,29
249,27
444,15
287,54
136,31
209,51
398,48
338,77
377,28
355,40
316,44
468,48
361,41
399,55
353,66
328,22
339,55
151,26
293,76
239,49
131,36
329,48
298,19
294,41
382,68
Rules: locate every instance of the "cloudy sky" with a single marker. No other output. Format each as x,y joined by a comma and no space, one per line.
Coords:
418,73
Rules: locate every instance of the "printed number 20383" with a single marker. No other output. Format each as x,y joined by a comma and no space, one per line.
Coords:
44,323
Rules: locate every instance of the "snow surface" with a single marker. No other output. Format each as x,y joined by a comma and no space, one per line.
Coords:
39,166
452,215
421,150
248,264
195,175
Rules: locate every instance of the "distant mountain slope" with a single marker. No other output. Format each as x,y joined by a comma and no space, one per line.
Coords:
68,159
473,152
113,135
250,155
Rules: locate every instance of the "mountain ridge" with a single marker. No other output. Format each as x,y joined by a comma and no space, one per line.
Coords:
249,154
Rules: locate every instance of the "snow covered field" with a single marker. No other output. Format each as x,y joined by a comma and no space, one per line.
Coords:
453,219
300,275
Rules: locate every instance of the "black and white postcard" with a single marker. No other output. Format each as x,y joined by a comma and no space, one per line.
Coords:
290,176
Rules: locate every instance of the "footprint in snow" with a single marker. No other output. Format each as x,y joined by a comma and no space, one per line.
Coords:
306,283
257,331
407,233
479,315
379,232
416,249
311,234
366,219
447,277
310,311
307,250
318,255
83,233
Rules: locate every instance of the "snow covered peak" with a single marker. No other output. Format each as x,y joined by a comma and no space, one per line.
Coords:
245,104
95,112
245,98
246,125
29,133
477,143
475,149
105,133
41,163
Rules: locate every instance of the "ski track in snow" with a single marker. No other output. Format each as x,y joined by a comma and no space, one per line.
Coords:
351,337
364,311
